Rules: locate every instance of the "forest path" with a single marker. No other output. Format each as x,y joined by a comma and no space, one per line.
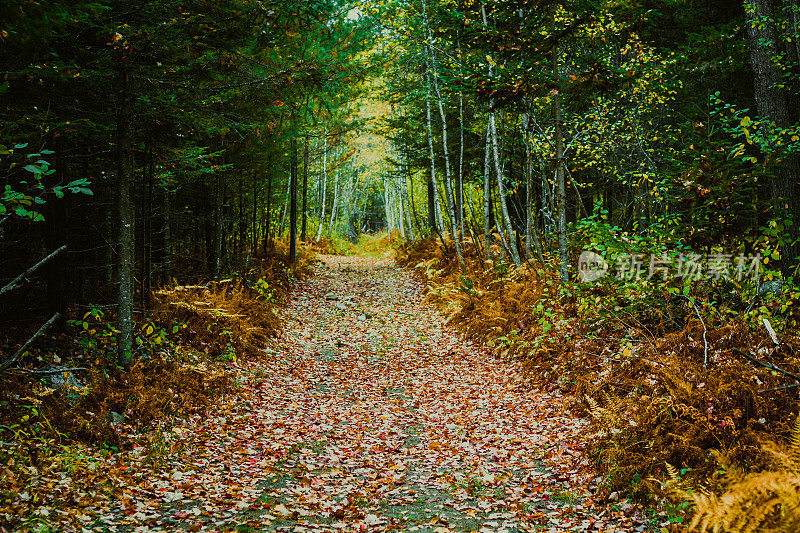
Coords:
369,414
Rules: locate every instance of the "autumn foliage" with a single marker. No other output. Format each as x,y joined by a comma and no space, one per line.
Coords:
666,378
184,347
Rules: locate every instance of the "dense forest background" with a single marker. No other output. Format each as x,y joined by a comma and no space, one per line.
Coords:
147,145
160,141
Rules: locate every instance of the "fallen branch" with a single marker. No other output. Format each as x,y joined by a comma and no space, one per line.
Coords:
42,330
53,372
767,365
781,388
20,280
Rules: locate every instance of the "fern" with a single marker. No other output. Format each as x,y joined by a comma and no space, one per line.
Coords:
758,502
796,435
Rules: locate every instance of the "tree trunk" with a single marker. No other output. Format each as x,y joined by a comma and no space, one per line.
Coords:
293,205
512,246
335,206
254,222
562,193
126,248
501,193
147,241
268,221
487,200
166,268
305,192
774,104
324,184
460,187
287,199
219,233
531,232
448,178
434,209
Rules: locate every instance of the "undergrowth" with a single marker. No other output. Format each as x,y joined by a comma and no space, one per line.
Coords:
368,245
183,349
665,371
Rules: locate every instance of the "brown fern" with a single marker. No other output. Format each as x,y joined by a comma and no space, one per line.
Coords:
757,502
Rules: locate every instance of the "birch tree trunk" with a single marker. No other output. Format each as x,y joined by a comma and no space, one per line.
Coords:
407,209
562,194
324,183
512,245
286,200
448,179
304,220
531,232
487,200
334,207
434,209
460,187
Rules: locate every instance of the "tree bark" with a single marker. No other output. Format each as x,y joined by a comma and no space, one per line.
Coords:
434,210
562,194
219,233
167,235
268,221
305,192
126,250
448,179
324,184
487,199
460,187
293,205
512,246
773,103
335,206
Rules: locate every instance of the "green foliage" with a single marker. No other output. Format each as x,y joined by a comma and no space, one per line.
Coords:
24,200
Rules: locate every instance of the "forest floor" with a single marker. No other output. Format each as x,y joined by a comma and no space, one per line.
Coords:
367,414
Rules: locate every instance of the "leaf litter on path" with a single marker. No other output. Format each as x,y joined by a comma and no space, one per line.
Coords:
367,414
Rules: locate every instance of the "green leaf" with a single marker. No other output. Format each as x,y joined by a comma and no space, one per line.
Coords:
32,168
20,146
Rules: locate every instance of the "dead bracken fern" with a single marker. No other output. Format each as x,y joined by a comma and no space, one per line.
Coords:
218,315
608,416
756,502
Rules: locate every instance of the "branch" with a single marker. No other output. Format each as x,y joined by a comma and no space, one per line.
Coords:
705,331
767,365
42,330
54,372
23,278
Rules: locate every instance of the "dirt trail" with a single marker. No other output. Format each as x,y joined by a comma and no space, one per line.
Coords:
370,414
